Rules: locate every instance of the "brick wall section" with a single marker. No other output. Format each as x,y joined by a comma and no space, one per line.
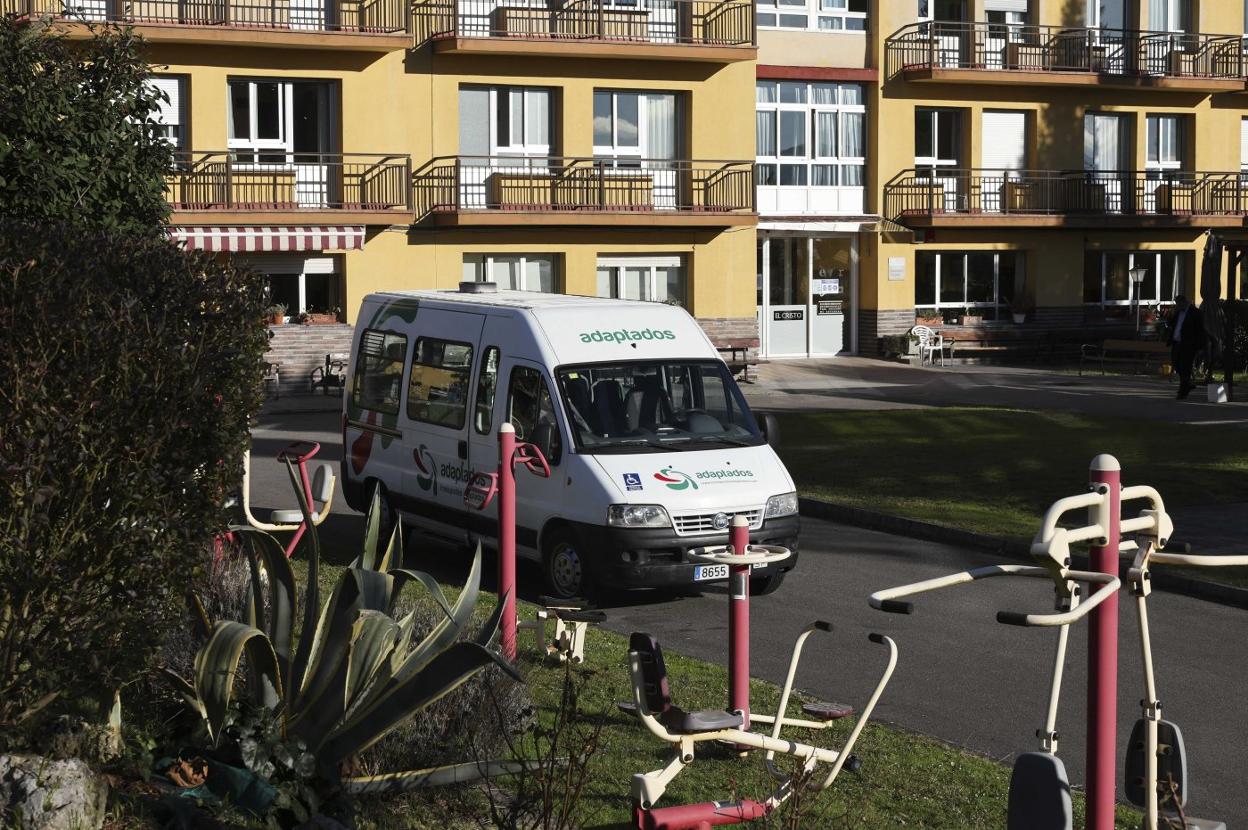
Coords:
725,329
874,324
300,349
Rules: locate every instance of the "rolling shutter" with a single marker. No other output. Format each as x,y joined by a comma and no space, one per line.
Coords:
1004,140
1006,6
170,112
1243,142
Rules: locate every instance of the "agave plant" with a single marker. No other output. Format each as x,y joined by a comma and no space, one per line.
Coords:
356,672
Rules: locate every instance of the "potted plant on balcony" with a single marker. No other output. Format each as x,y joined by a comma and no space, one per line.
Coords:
972,317
320,318
1020,307
930,317
276,314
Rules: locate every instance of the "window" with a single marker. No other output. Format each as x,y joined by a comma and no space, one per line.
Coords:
437,392
487,383
379,371
1107,276
170,113
1169,15
505,121
810,134
515,272
820,15
656,279
638,125
937,137
530,407
1165,142
269,120
983,280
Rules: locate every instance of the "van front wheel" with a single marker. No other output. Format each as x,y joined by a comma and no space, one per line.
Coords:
563,565
761,586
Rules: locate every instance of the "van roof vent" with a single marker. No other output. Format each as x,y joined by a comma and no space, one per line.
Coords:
474,287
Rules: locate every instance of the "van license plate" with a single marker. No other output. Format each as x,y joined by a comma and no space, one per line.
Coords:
703,572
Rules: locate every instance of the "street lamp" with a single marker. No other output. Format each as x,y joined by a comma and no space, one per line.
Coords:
1137,278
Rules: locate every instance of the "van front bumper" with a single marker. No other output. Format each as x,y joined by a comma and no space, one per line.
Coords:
622,557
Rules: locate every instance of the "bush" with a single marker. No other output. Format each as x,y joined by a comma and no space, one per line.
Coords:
131,372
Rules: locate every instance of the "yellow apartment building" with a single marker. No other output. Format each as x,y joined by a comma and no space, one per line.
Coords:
348,146
1002,165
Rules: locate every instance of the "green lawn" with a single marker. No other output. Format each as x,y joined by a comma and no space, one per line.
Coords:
995,471
906,780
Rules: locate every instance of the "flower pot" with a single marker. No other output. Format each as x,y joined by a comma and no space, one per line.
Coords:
276,319
1020,318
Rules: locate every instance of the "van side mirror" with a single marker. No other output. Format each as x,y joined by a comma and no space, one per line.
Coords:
770,427
546,439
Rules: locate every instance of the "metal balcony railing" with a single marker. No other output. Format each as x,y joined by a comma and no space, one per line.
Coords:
553,184
279,181
989,193
1027,48
354,16
690,22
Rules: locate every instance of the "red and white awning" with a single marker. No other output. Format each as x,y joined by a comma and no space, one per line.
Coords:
276,240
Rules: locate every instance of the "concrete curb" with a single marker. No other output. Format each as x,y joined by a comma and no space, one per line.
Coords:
1009,548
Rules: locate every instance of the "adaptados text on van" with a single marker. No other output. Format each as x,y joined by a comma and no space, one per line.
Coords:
624,336
711,474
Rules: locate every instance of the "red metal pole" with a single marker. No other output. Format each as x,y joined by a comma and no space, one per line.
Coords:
739,624
1104,476
507,536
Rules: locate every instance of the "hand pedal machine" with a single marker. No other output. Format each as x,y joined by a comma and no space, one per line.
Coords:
572,618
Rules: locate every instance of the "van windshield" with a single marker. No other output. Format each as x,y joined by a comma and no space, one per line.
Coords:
659,406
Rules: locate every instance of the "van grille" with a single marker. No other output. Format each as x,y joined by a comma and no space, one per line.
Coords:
692,524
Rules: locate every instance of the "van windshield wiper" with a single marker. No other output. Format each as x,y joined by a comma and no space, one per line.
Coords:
723,439
626,443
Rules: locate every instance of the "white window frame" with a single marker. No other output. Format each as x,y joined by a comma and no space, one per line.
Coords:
284,143
1169,151
1140,259
933,161
651,262
175,137
811,112
526,95
940,256
618,151
485,263
818,16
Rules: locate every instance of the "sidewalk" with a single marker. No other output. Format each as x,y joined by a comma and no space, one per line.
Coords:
863,384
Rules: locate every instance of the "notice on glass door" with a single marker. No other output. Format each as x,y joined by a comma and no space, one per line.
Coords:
783,316
828,286
829,307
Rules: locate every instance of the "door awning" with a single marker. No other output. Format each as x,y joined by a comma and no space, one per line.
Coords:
870,224
217,238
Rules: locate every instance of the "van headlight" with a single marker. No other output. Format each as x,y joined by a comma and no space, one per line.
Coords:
784,504
638,515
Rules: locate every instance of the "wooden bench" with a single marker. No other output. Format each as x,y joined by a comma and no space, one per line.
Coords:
736,354
1034,344
1136,352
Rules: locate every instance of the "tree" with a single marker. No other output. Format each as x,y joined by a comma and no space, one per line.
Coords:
78,140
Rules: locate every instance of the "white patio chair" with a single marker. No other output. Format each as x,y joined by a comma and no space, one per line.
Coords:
931,343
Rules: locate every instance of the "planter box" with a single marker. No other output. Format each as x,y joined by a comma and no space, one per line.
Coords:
521,22
1026,57
514,191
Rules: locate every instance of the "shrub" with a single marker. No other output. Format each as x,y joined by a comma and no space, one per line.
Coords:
78,136
131,371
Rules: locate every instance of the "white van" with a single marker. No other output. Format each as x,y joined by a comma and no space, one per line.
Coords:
651,445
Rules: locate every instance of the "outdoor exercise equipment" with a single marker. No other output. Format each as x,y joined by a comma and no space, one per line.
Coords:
318,489
572,618
652,702
740,557
1156,760
480,492
1039,796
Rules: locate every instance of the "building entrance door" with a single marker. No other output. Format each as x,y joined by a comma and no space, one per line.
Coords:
808,295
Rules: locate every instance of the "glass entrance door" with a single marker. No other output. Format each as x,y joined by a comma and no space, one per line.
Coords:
832,296
807,295
789,296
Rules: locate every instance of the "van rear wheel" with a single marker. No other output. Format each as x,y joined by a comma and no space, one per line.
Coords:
564,569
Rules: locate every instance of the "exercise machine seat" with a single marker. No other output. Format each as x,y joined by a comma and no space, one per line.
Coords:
825,711
1039,794
290,517
680,722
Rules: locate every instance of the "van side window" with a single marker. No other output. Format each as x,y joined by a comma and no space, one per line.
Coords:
437,392
529,406
379,371
487,382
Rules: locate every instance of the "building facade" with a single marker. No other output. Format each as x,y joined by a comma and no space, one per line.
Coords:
1022,158
592,147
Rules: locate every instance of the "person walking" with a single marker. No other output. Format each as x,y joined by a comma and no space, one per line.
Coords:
1187,336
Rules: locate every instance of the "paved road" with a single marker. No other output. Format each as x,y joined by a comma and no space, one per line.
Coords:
962,677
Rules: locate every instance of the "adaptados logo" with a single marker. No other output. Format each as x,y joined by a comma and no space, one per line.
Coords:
626,335
675,479
426,469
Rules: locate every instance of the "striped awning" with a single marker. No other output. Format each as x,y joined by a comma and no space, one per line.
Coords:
276,239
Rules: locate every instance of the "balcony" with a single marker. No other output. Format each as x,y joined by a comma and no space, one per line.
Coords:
358,25
274,188
718,31
1048,198
985,53
479,190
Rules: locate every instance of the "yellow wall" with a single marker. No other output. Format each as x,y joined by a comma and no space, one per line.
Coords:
408,103
778,47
